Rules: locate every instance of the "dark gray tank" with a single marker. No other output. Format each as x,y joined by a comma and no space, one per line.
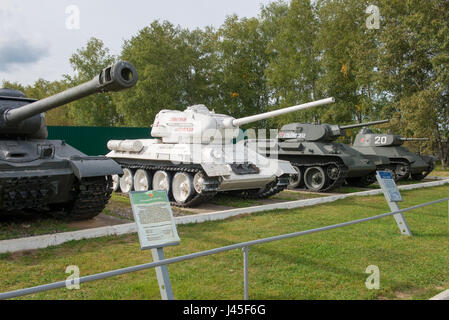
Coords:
321,163
49,175
406,164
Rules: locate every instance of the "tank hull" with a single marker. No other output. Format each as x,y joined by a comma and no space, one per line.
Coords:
49,175
225,167
347,163
417,165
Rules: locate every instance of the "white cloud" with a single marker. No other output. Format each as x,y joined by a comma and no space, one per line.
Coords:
43,25
9,8
16,50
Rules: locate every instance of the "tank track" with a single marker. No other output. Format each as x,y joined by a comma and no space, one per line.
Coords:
211,184
371,178
91,196
275,187
362,182
343,173
26,193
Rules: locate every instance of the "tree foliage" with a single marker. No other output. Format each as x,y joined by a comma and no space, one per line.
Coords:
172,72
293,52
97,109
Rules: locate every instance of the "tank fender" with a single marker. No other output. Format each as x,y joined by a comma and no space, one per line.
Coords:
85,167
408,158
216,170
349,161
284,167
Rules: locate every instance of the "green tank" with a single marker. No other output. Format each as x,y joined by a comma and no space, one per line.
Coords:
406,164
321,163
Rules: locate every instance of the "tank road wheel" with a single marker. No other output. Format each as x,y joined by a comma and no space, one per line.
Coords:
142,180
402,171
183,189
127,181
162,181
189,191
333,172
315,178
115,182
296,180
198,182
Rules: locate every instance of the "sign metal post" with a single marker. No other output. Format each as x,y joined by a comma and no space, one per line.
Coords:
157,229
393,197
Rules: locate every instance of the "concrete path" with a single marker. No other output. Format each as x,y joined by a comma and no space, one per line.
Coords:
442,296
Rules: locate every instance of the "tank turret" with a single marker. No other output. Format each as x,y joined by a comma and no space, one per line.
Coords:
407,164
23,117
197,124
319,132
368,138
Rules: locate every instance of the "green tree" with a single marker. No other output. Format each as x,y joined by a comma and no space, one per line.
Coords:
294,68
414,69
99,109
172,69
241,60
348,56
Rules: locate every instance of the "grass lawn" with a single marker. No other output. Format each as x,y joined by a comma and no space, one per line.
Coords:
329,265
28,224
440,172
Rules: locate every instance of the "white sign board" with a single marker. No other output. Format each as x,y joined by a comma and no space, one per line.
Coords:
154,218
389,186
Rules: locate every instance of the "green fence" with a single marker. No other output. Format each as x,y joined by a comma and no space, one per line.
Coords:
93,140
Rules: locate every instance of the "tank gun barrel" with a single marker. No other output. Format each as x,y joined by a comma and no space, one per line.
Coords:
119,76
415,139
271,114
366,124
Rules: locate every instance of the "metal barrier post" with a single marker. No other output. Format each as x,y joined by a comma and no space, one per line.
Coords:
245,273
162,275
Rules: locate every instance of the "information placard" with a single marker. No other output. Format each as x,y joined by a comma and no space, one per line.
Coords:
389,186
154,218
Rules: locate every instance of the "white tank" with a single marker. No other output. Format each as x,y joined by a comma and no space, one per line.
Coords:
193,157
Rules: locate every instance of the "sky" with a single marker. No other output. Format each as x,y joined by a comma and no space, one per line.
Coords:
37,38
